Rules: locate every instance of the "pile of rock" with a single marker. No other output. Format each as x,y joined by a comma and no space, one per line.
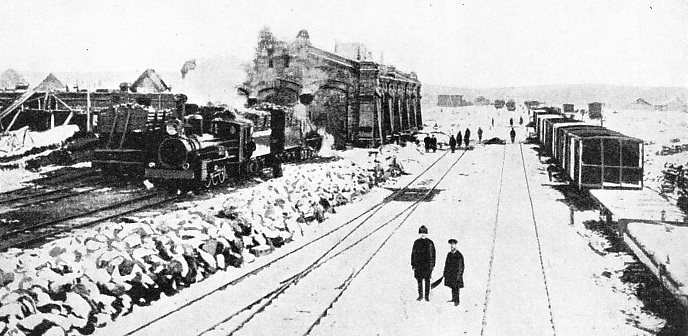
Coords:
83,282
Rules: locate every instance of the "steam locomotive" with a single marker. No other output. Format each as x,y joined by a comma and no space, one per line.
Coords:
205,148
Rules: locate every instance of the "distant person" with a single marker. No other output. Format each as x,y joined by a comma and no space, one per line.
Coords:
433,143
452,143
458,138
520,120
512,134
480,135
467,137
492,122
427,141
453,271
511,122
550,171
423,262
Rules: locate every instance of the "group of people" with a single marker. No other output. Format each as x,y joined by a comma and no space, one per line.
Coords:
455,141
423,263
430,143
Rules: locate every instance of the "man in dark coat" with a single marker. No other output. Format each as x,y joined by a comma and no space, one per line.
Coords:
458,138
480,134
467,137
422,262
453,271
426,140
433,143
512,134
452,143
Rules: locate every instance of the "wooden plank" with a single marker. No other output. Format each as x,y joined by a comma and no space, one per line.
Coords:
645,205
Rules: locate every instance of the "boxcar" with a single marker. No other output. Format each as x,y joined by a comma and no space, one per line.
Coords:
541,126
550,133
605,159
563,148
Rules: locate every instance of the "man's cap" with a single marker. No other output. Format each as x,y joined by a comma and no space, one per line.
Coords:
453,241
423,229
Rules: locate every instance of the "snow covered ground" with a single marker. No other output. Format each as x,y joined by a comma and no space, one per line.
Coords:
585,290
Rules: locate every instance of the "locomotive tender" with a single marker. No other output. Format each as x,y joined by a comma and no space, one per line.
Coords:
592,156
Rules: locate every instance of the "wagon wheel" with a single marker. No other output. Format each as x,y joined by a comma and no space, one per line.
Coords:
223,175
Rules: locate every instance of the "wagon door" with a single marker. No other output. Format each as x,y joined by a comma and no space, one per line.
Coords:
575,161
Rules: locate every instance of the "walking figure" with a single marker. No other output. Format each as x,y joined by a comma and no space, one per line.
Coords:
467,137
520,120
512,134
511,122
422,262
433,143
458,138
452,143
453,271
492,122
480,135
427,141
550,171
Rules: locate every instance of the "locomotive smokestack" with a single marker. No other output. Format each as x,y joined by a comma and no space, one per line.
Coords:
306,97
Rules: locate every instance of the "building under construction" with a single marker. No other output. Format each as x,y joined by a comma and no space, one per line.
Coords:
51,103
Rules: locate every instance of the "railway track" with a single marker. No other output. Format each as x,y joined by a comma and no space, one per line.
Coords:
49,185
52,178
28,235
503,236
290,274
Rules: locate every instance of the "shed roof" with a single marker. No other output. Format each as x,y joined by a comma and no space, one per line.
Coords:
50,83
149,81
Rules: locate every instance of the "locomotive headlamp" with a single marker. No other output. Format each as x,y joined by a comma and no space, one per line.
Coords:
172,127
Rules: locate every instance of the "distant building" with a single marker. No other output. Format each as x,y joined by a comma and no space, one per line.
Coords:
450,101
595,110
481,101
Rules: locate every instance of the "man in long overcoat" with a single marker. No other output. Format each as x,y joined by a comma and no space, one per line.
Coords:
452,143
458,138
467,137
422,262
453,271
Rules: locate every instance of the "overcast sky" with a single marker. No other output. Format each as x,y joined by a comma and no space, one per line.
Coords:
479,43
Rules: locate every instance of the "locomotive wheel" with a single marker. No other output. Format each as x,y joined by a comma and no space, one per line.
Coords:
208,182
223,176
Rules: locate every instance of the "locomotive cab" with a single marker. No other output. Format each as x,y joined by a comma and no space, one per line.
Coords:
194,124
